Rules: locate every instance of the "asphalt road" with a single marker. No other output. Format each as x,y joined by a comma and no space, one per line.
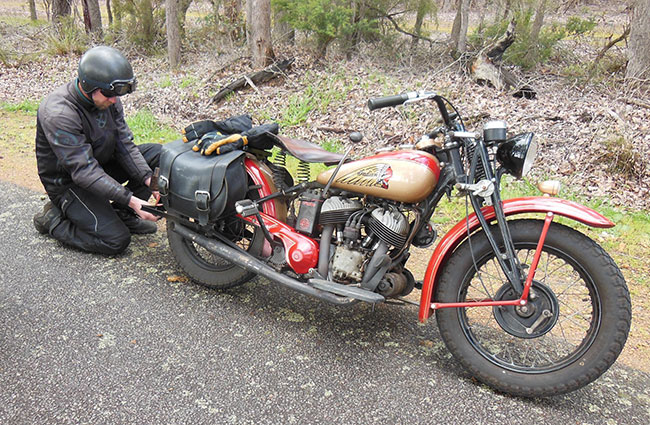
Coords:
87,339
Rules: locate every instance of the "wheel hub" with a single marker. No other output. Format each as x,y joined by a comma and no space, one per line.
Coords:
532,320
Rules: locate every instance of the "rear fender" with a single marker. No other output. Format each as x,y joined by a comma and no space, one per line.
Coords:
262,176
533,204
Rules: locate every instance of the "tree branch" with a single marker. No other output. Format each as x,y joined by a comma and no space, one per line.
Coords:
383,14
601,54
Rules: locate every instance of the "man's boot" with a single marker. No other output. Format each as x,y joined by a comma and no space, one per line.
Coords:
135,224
47,219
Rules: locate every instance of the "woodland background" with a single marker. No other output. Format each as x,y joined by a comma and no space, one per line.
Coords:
576,73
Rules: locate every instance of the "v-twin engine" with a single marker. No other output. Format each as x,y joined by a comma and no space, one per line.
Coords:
361,237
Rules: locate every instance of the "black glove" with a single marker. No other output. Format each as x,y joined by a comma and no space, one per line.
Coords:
196,130
218,143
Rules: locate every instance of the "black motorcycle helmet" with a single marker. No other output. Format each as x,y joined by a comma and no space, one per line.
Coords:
106,69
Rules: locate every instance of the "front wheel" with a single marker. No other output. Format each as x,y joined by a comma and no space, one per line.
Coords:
571,331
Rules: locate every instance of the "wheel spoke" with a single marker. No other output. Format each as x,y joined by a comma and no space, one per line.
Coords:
550,350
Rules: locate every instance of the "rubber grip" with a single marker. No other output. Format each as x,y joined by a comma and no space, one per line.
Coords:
384,102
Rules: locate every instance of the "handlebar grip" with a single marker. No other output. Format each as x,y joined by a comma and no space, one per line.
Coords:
384,102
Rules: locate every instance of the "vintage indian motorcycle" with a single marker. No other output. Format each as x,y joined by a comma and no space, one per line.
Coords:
529,306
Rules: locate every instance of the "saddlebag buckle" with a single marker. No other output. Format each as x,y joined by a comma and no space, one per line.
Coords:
202,199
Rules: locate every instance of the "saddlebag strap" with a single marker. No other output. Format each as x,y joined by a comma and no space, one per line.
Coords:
212,190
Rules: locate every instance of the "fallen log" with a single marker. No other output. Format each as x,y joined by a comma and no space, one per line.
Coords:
253,78
485,68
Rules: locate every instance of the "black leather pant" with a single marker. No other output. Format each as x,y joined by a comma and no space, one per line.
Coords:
89,222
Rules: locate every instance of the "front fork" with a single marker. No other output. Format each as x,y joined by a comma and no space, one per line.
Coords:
508,261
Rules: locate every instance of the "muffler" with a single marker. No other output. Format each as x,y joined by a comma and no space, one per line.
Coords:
254,265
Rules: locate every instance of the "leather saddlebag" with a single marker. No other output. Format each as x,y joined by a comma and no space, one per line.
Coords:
200,187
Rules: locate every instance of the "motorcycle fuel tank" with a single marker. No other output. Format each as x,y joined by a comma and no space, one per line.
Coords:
402,176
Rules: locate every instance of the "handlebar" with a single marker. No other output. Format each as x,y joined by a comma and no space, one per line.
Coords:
384,102
400,99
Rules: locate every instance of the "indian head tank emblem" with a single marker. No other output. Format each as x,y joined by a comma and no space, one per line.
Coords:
374,175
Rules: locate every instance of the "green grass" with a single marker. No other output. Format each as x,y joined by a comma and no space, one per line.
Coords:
319,95
28,106
165,82
188,81
147,129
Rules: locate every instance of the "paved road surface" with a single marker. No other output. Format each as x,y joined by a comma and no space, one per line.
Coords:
86,339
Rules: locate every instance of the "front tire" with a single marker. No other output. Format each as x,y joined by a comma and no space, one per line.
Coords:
572,347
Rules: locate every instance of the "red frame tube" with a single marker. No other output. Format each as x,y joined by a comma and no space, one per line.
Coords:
533,204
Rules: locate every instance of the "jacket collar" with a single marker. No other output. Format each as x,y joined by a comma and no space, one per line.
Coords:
83,100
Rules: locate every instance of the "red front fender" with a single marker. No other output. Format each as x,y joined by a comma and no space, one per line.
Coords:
533,204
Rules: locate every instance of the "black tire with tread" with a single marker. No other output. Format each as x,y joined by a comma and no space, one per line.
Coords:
204,273
601,354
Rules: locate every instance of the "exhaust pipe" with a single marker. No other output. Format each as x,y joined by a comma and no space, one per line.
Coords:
253,265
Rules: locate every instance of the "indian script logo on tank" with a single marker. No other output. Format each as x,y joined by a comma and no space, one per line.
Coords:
375,175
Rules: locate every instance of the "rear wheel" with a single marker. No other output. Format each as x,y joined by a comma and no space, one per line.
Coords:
209,269
571,331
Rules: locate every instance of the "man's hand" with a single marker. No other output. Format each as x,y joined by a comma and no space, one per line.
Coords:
196,130
136,205
219,144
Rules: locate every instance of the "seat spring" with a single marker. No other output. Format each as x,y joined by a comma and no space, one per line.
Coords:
303,173
278,172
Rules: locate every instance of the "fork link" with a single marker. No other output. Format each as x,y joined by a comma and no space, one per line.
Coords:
303,173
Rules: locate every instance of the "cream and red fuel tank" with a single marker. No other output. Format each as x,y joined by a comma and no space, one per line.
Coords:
403,176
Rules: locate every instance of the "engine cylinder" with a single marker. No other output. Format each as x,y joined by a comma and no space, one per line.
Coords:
390,226
337,210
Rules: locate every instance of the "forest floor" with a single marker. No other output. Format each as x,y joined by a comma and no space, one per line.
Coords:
594,138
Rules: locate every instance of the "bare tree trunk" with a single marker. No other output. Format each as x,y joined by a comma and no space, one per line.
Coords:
92,17
506,9
535,30
233,12
182,14
32,10
60,8
638,67
419,19
459,29
109,12
259,29
173,33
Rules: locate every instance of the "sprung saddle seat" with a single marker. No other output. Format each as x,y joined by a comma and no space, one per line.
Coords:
306,151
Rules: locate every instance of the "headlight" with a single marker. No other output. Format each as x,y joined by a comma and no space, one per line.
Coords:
517,154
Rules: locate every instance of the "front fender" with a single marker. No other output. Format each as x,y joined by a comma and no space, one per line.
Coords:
532,204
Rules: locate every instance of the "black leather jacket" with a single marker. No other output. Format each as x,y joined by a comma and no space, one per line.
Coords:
74,140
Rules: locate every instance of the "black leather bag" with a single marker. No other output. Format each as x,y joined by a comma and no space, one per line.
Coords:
200,187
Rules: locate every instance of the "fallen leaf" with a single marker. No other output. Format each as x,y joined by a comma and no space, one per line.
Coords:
176,278
153,244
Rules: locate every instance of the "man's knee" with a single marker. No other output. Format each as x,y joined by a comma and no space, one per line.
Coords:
115,245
